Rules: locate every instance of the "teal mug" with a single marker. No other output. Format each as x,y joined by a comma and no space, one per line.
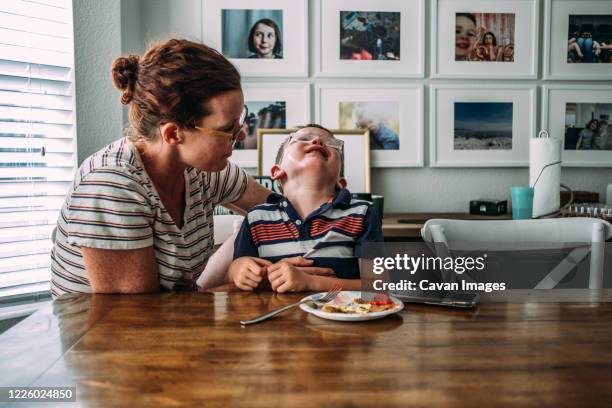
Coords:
522,202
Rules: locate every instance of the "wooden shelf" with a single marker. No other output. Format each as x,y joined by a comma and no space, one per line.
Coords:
408,225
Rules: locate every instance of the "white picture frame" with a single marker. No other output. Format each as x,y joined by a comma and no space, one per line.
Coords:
409,99
556,30
526,34
411,37
554,101
294,61
297,103
356,160
442,124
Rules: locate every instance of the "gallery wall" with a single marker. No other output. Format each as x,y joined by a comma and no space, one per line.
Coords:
405,189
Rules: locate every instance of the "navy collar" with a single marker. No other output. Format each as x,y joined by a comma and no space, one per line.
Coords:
342,198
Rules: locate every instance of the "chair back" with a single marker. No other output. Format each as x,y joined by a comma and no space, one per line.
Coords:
225,225
586,234
545,233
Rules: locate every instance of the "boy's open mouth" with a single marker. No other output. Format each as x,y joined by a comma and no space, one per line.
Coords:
318,149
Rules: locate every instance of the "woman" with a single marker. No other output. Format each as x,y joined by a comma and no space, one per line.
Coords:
586,135
490,44
265,39
138,216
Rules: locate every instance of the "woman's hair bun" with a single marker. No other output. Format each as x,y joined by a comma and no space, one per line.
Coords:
125,74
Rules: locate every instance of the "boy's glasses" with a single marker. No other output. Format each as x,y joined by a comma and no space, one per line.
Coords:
232,137
327,141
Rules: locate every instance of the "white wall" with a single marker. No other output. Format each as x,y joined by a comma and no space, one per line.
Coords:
405,189
97,42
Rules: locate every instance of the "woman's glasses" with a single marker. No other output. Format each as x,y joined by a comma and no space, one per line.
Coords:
232,137
328,141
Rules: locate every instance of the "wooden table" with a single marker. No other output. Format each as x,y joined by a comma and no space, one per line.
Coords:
188,349
410,227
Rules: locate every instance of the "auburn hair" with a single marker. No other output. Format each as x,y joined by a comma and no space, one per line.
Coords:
172,82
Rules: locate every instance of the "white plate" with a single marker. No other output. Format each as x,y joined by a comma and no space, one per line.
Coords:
346,297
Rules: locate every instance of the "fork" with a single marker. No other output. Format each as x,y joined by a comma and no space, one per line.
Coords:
328,297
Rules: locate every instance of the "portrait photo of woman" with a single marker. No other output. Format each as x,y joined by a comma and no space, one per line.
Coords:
265,40
252,34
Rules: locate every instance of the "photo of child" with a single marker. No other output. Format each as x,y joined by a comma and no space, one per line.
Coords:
484,37
264,115
367,35
380,118
483,126
587,126
589,39
252,33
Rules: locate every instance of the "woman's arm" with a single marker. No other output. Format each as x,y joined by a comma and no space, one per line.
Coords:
253,195
121,271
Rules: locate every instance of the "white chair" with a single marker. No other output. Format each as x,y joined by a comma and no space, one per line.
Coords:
225,225
445,236
226,228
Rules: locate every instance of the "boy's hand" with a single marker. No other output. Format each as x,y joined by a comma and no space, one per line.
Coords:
247,272
285,277
306,266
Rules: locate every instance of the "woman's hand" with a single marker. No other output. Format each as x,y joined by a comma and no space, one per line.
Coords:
248,272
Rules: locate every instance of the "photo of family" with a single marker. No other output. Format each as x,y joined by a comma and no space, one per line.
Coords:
587,126
264,115
484,37
589,39
368,35
380,118
483,126
252,33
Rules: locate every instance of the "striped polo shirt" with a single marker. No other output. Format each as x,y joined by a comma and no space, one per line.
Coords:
332,236
113,204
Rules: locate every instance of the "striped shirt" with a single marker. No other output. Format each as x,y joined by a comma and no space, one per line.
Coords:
332,235
113,204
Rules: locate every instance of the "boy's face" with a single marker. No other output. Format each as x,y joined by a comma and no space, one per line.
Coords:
309,150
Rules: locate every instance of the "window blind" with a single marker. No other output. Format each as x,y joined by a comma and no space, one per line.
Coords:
37,137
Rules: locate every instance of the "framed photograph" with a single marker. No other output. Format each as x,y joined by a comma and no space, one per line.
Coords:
490,38
272,106
581,116
578,39
263,38
356,158
371,38
481,125
393,114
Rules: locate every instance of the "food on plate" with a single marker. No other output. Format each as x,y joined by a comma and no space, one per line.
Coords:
358,305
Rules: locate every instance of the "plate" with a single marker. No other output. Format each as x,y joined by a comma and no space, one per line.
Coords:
346,297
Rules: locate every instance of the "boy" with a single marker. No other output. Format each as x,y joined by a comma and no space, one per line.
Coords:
315,225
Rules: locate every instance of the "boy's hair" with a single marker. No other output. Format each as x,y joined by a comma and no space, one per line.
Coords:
281,149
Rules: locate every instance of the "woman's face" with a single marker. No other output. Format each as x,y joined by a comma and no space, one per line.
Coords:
488,39
264,40
594,125
465,35
210,152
